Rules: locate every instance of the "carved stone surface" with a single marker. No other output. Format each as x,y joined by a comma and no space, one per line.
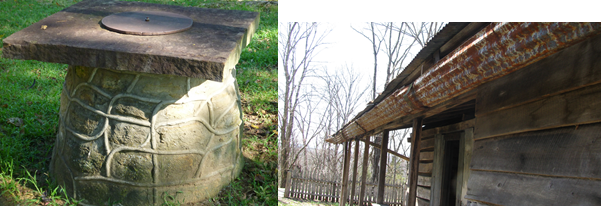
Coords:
135,138
75,36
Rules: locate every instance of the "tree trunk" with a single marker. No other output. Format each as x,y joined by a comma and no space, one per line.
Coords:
375,161
283,163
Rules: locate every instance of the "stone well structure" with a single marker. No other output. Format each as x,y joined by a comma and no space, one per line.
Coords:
143,117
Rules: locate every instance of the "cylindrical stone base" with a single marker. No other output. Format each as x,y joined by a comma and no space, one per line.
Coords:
138,138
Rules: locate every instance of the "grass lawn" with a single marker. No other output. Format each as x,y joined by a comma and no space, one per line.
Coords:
29,104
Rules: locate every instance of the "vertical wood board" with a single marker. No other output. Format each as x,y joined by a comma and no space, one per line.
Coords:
465,156
364,171
435,193
414,163
382,175
345,173
356,161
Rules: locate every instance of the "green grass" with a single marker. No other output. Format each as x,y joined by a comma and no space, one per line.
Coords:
29,103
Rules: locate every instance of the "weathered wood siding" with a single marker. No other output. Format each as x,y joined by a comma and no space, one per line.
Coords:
538,133
426,157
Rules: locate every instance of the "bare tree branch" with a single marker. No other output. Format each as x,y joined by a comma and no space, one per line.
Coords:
299,43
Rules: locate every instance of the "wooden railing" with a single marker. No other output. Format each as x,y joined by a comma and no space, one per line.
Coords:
316,188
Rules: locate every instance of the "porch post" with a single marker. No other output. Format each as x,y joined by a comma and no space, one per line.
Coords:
354,182
414,160
347,159
382,176
364,171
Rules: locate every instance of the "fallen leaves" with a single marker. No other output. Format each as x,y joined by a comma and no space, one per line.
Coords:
259,178
45,199
39,118
18,122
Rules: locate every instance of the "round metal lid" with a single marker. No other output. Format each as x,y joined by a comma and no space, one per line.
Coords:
147,23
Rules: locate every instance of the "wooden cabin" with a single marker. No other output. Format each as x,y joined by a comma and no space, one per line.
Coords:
502,114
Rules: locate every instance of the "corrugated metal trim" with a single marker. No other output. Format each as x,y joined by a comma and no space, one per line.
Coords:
441,38
497,50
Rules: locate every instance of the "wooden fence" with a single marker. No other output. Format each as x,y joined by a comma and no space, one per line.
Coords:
324,189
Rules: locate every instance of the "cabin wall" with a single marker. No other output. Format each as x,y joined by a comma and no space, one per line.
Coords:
426,157
432,157
537,138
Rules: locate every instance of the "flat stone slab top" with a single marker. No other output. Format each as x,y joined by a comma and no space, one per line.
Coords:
139,22
75,36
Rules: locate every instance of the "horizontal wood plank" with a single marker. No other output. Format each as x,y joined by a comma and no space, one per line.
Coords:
387,150
451,128
423,192
427,136
426,156
427,144
422,202
424,181
580,106
425,167
406,121
568,151
475,203
518,189
569,68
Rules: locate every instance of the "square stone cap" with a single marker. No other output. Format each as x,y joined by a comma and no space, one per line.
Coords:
75,36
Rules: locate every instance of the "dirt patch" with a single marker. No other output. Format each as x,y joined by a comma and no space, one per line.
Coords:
295,202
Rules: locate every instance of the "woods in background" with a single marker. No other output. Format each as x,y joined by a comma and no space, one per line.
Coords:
315,101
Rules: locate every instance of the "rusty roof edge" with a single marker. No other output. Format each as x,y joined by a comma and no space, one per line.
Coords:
442,37
501,36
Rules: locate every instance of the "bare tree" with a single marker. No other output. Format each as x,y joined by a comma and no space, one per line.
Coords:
376,39
398,39
299,43
424,31
341,93
395,48
307,128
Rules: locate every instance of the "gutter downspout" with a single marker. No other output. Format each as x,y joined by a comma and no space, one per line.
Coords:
497,50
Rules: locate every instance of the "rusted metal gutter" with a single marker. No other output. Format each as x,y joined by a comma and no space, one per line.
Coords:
497,50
